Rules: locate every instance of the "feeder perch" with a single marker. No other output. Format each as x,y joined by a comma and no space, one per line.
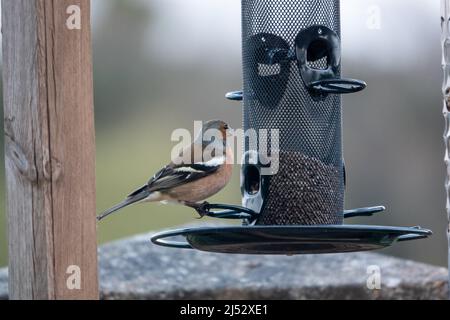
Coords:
292,83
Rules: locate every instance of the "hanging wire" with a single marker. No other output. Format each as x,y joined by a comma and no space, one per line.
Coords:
445,25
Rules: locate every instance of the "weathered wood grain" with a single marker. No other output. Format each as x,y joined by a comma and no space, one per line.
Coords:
49,149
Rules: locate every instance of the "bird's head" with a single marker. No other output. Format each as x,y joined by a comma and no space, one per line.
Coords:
219,125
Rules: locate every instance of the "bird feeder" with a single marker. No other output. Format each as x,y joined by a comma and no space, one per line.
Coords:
293,84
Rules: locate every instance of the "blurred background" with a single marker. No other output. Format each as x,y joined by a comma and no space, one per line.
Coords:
161,64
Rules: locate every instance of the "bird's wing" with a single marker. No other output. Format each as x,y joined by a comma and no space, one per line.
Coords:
175,175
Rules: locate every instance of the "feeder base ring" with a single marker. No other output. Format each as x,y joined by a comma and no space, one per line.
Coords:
289,240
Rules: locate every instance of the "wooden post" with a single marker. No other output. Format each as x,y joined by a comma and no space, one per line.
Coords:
50,149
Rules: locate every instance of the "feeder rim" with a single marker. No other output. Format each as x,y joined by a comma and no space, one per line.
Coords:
408,233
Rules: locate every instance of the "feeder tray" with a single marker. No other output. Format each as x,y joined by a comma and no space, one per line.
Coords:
288,240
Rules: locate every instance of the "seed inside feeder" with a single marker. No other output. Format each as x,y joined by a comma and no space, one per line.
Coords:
305,191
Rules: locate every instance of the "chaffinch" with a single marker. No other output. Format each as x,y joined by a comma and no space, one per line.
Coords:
190,183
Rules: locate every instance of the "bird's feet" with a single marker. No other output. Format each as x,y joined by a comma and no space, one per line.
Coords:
203,209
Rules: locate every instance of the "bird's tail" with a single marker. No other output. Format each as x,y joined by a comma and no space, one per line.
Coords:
136,196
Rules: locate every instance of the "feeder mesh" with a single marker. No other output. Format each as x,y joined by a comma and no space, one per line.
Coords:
309,187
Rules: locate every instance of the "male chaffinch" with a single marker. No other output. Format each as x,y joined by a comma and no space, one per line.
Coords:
189,183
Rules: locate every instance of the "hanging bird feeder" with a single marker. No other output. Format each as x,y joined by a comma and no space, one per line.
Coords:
292,83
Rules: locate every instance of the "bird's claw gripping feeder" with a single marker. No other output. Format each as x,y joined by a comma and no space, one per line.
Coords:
293,83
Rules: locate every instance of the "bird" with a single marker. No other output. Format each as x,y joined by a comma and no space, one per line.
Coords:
189,182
